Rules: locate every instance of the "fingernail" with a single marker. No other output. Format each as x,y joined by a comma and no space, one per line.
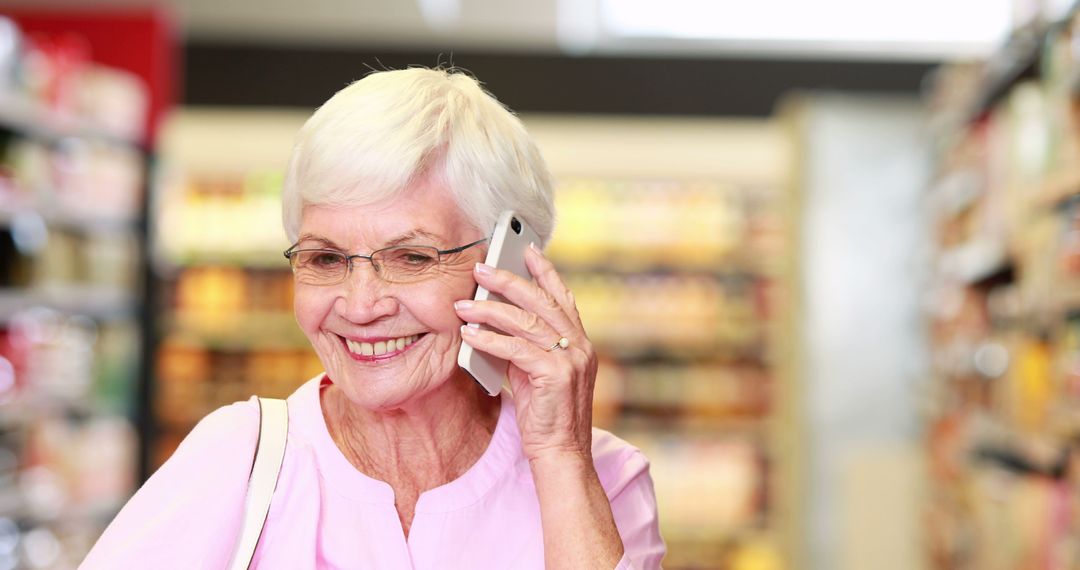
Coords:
466,330
485,269
463,305
533,246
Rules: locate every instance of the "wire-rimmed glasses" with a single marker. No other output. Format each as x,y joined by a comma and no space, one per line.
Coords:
395,264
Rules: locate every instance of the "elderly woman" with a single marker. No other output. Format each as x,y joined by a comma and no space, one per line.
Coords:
396,458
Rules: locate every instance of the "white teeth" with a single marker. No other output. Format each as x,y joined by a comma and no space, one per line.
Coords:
381,347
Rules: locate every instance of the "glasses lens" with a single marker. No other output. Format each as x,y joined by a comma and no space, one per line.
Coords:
407,263
319,267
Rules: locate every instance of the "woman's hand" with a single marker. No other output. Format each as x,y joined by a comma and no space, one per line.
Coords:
553,387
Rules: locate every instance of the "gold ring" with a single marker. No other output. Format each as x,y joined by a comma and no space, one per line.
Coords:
560,344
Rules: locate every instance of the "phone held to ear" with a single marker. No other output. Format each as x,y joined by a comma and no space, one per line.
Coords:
507,251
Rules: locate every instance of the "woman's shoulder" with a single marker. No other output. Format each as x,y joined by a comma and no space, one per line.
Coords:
238,423
197,493
226,427
236,426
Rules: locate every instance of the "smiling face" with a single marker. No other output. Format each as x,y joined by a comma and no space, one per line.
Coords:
386,344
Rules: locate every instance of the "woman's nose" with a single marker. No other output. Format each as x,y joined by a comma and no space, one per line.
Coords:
364,296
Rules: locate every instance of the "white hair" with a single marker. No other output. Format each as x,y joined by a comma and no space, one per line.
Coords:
379,134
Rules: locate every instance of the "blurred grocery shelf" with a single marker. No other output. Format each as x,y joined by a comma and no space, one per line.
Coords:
97,302
1002,410
74,317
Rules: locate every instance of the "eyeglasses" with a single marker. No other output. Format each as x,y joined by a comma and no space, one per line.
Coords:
397,264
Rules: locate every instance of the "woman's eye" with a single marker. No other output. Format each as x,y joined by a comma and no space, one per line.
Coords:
326,260
411,258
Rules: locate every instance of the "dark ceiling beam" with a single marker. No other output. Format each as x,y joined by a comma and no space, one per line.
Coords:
270,75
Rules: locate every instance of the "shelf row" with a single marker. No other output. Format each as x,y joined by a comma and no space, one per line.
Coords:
96,302
623,227
1005,309
74,173
36,121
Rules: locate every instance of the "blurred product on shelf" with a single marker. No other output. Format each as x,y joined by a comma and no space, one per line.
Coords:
199,220
72,176
67,451
680,315
1004,410
51,83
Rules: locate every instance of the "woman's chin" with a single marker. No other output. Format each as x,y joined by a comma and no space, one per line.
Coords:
381,392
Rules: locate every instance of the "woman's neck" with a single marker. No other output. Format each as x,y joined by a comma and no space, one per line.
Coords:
428,442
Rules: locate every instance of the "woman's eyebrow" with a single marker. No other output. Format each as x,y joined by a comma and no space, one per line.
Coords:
411,236
319,240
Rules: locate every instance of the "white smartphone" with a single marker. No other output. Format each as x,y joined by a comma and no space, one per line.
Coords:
507,251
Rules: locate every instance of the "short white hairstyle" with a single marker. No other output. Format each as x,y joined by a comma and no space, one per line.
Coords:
379,134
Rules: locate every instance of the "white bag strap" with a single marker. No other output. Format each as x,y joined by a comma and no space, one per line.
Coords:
269,453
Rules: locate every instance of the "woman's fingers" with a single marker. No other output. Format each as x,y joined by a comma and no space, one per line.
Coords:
543,271
524,354
510,319
530,296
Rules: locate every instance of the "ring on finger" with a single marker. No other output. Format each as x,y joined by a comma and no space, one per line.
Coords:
560,344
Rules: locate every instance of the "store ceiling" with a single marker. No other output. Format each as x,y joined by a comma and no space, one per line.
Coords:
500,24
539,55
609,27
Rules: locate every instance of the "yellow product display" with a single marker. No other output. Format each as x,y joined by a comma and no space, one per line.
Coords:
756,555
215,293
640,226
1034,389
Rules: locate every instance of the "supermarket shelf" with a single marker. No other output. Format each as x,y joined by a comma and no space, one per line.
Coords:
1051,309
741,271
979,262
56,217
1068,301
735,356
13,505
1016,60
242,259
1002,446
96,301
239,332
32,119
680,414
24,409
956,192
1061,188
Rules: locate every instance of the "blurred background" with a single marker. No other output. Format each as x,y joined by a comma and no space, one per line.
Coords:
829,249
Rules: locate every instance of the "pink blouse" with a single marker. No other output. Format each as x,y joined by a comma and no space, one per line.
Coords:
326,514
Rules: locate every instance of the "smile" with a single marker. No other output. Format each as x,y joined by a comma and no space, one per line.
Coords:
381,349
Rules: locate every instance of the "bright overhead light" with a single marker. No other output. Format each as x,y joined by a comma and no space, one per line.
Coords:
440,14
908,25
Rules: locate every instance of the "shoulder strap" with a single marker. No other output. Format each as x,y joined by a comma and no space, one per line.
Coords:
269,453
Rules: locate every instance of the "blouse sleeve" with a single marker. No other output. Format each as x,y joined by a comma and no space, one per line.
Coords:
633,504
188,514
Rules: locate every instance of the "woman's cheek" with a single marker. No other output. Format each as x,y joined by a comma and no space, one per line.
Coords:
308,313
